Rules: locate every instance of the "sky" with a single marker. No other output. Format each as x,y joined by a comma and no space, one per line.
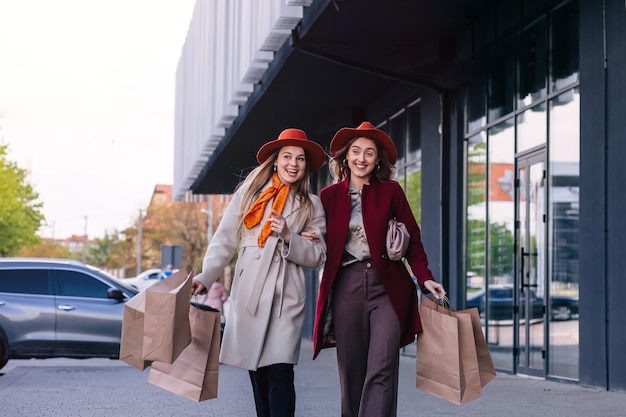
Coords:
87,105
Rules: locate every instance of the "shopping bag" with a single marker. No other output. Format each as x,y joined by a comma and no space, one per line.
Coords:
166,318
131,345
485,364
446,359
194,374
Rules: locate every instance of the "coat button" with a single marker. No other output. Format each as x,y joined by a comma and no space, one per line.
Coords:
368,265
257,255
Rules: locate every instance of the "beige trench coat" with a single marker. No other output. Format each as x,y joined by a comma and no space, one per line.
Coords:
266,314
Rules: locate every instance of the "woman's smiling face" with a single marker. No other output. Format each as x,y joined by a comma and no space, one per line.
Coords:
362,158
290,164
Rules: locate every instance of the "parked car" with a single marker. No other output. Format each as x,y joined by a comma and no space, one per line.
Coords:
59,308
563,307
501,304
144,279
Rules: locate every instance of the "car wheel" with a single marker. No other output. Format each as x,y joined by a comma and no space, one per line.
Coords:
562,313
4,350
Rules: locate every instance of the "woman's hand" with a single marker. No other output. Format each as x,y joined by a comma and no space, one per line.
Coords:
311,235
196,287
279,225
435,288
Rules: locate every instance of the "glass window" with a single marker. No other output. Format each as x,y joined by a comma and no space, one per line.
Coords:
532,64
564,231
24,281
476,204
413,172
532,127
414,129
397,133
413,190
475,105
501,89
564,52
501,231
78,284
501,202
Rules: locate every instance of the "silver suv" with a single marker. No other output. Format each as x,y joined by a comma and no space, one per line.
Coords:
59,308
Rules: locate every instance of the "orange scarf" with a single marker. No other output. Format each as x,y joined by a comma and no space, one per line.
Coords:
279,192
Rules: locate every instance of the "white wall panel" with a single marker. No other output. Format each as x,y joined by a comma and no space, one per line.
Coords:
229,46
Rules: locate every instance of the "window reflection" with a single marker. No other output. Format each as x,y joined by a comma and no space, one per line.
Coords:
475,105
565,46
533,66
404,128
564,227
532,127
476,192
501,89
501,211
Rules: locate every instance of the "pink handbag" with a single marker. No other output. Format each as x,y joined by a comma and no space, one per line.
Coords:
397,240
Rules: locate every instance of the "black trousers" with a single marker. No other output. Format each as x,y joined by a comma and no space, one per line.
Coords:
274,391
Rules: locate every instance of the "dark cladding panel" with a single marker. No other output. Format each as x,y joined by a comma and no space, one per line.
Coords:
593,363
616,190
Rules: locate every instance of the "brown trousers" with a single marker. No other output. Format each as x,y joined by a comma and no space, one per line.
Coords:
368,343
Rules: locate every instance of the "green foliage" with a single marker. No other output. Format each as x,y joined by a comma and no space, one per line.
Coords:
414,194
20,213
46,249
100,251
500,250
476,246
477,174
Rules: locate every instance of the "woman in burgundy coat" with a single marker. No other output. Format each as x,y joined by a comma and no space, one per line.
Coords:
367,305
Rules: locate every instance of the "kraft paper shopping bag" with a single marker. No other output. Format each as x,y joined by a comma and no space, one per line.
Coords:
194,374
166,318
131,345
446,359
485,364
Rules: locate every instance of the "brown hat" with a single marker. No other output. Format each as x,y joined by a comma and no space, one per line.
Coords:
365,129
294,137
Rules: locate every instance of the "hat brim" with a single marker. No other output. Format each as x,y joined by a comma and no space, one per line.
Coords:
315,153
346,134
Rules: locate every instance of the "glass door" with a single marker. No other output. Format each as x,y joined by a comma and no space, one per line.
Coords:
531,254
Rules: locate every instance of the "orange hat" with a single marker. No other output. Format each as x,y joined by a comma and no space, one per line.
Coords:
365,129
294,137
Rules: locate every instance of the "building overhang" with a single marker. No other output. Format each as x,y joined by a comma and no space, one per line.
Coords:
344,63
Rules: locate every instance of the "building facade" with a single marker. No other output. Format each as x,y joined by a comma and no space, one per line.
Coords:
508,119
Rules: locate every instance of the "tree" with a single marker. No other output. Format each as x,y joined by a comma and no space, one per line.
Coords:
414,194
109,252
177,223
20,213
46,249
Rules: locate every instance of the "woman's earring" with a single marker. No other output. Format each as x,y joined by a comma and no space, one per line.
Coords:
345,162
274,168
377,167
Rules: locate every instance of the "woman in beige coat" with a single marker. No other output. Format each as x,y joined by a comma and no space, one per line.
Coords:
269,211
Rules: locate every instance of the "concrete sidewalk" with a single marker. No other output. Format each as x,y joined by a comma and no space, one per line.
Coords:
101,387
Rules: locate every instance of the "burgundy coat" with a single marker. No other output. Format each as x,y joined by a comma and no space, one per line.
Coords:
380,201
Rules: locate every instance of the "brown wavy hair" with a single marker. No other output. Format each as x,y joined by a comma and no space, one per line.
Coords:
339,170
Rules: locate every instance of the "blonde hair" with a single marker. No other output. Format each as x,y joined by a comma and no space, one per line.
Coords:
253,184
339,169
